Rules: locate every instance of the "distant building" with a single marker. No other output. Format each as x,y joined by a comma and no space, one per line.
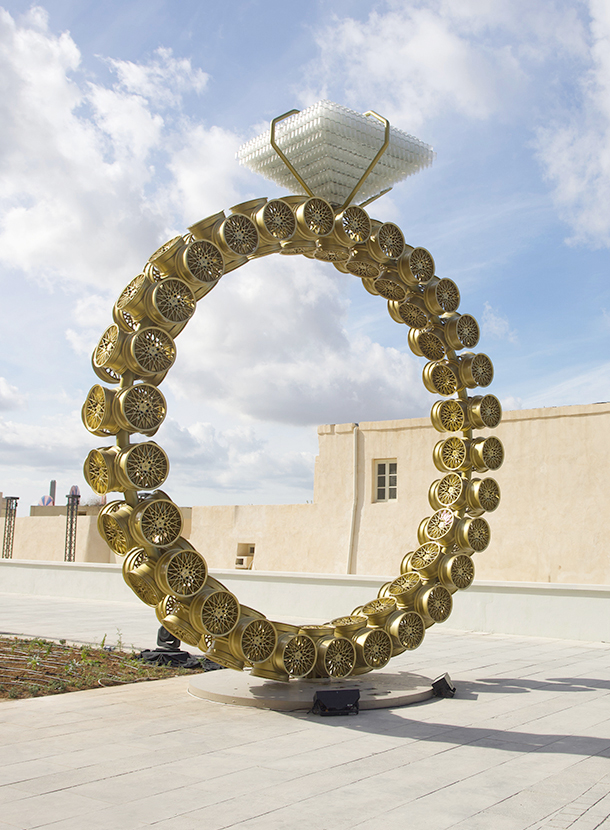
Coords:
371,493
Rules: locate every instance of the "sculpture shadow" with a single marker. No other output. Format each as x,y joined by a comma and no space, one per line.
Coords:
403,721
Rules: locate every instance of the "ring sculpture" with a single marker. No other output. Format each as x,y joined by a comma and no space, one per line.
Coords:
135,354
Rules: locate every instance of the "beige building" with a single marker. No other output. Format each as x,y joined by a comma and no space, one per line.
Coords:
550,525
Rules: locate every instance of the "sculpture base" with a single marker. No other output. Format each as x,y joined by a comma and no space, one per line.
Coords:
378,690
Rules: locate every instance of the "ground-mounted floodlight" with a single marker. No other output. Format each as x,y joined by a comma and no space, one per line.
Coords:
333,161
443,686
329,702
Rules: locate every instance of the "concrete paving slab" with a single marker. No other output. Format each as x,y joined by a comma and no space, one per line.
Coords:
525,745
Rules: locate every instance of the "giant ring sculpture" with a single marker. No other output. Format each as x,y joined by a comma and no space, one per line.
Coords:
138,349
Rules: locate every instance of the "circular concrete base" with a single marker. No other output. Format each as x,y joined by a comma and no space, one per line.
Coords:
378,690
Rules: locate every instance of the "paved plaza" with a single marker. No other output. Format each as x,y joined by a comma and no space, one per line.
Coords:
524,744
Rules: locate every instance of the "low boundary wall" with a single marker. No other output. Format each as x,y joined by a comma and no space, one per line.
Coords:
566,612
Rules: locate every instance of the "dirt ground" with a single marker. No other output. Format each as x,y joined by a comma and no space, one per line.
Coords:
31,668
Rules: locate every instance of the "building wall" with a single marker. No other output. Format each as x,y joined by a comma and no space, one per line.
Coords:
550,525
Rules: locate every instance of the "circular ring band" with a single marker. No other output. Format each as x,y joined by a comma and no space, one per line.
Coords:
137,350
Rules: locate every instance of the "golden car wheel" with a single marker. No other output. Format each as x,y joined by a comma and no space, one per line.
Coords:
173,616
149,352
484,412
275,221
456,572
171,304
441,526
473,534
379,610
407,630
220,652
215,612
416,267
201,264
98,411
487,454
140,408
132,294
238,235
181,573
141,467
315,218
451,454
409,312
449,491
294,655
448,416
426,344
386,242
108,354
442,377
462,332
483,494
298,655
361,265
352,226
99,470
138,573
441,296
434,604
390,287
373,648
426,559
476,370
403,588
253,640
336,657
346,626
156,521
113,526
137,350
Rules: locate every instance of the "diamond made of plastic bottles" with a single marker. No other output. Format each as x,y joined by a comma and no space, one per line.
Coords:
331,146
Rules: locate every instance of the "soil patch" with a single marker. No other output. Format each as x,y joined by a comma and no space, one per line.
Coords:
32,668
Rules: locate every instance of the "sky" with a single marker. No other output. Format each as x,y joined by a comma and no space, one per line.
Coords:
119,125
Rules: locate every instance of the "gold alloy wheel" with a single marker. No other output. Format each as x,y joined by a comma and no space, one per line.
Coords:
137,350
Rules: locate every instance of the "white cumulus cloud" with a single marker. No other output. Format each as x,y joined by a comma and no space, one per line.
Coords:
419,61
575,148
271,344
10,397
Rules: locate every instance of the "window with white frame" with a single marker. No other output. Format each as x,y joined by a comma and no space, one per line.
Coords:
386,473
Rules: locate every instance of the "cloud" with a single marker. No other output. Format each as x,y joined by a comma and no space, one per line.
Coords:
58,442
496,326
419,61
582,386
10,398
206,175
575,149
85,167
270,343
232,459
91,316
162,79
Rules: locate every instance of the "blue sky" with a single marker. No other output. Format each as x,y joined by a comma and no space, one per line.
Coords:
120,123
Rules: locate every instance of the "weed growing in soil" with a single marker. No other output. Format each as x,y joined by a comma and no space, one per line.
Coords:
32,668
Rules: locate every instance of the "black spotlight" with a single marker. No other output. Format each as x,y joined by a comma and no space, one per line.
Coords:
336,702
167,641
443,687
